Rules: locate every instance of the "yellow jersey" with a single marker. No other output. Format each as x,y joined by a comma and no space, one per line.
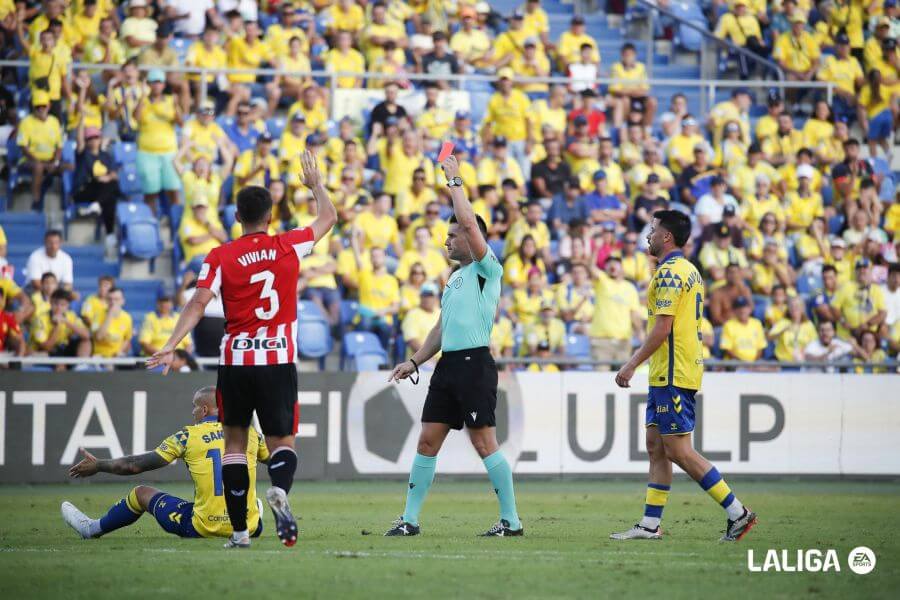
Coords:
156,330
351,62
156,126
378,291
433,262
189,228
628,79
743,340
614,300
204,138
569,47
417,324
119,330
677,290
93,309
378,232
197,187
857,304
507,115
42,327
199,56
41,138
201,448
243,55
790,338
796,53
843,73
502,336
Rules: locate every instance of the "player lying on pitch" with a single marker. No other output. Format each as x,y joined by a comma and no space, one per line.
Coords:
201,447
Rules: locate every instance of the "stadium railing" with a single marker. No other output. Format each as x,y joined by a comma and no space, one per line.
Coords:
762,365
710,86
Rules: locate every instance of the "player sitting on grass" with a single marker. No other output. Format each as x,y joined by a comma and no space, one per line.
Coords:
201,447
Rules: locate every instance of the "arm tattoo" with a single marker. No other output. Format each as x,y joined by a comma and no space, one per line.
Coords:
132,465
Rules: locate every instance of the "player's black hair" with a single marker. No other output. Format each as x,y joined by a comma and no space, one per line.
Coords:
253,204
482,226
675,222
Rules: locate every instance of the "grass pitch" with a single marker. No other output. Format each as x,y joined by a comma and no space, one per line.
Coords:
565,551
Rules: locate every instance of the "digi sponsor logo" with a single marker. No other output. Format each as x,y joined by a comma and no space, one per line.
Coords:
861,561
259,343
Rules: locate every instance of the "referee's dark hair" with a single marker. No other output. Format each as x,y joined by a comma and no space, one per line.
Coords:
675,222
481,224
253,203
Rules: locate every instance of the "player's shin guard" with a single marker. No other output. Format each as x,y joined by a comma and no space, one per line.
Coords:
657,495
236,479
420,477
282,466
502,480
713,484
122,514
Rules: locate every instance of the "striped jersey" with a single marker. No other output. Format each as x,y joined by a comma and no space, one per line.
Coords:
256,278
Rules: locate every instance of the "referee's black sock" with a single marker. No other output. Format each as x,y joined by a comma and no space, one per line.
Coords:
282,466
236,479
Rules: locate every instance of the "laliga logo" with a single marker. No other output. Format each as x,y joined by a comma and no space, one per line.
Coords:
259,343
861,561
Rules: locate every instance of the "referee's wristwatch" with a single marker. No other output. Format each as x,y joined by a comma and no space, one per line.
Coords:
455,182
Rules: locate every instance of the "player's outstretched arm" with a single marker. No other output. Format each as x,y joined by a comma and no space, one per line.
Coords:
429,348
126,465
661,329
190,316
465,215
326,215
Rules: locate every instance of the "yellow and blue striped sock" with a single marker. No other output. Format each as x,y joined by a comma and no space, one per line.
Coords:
657,495
122,514
713,484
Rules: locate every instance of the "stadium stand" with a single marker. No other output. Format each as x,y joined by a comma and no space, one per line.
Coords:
789,187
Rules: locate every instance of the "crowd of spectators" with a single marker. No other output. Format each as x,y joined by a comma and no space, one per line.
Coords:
797,230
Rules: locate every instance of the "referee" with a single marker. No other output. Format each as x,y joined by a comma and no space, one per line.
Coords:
463,389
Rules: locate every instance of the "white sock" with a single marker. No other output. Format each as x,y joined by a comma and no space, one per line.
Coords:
650,523
735,509
241,534
94,528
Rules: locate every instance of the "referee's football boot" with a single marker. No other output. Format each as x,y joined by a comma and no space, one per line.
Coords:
502,529
285,523
401,527
735,530
638,532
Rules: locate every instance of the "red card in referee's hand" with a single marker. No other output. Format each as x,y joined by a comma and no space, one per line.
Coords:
446,150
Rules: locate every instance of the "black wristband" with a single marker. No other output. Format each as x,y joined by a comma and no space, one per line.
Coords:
416,380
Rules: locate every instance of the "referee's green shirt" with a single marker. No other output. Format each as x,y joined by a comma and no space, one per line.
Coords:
469,304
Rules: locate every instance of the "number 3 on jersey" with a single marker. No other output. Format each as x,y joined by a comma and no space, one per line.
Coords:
268,293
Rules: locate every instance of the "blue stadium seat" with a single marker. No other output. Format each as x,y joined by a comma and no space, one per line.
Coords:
229,216
275,126
370,361
497,248
307,310
579,346
349,308
141,239
127,212
140,294
180,46
124,153
314,340
68,176
23,228
360,342
129,181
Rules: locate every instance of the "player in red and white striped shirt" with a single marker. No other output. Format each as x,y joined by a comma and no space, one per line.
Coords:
256,278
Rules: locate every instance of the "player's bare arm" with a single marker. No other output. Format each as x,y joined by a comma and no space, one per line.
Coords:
326,215
126,465
661,329
429,348
465,215
190,316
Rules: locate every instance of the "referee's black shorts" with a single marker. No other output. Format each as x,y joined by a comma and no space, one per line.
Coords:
270,390
463,390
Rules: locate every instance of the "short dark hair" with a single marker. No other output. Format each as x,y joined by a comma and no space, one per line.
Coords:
48,275
894,267
675,222
61,294
482,226
628,46
253,204
53,232
828,268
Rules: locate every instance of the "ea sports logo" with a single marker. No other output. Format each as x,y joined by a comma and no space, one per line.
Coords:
861,560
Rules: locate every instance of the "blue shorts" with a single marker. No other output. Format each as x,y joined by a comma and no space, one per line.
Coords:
157,173
173,514
670,409
881,126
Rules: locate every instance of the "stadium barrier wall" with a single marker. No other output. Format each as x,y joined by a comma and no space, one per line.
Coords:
356,425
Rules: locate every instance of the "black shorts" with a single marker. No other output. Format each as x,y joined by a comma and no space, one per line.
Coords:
270,390
463,390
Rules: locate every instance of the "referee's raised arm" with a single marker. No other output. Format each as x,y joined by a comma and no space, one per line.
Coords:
462,208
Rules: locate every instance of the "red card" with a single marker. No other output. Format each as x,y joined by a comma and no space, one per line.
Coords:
446,149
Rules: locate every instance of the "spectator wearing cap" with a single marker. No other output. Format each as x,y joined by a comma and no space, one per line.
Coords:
743,337
648,202
463,135
570,205
138,30
95,182
722,297
876,113
507,118
159,325
257,166
111,337
804,204
731,218
584,72
743,29
470,44
200,231
797,52
589,105
199,179
859,305
736,108
680,147
532,63
716,256
790,182
498,165
731,153
510,43
248,51
434,121
48,65
630,85
419,321
532,224
581,146
844,71
874,55
40,138
839,257
569,47
710,206
606,162
161,54
618,314
550,176
548,329
602,206
157,114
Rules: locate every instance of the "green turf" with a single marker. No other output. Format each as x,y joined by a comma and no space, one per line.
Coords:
565,553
